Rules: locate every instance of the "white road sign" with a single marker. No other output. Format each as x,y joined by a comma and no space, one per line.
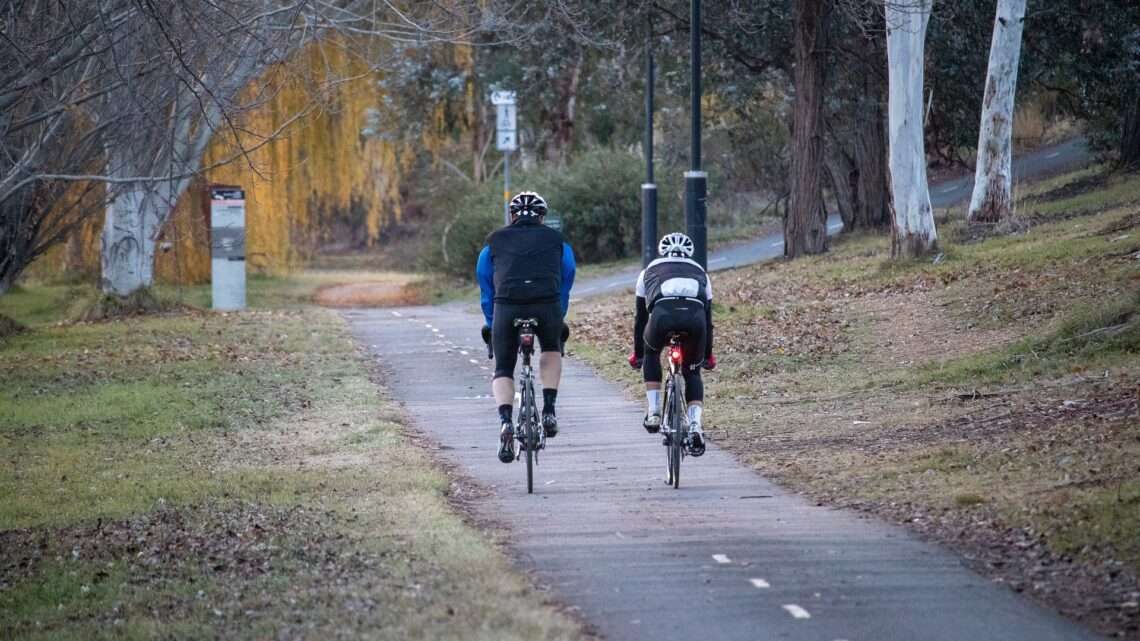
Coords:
506,117
506,140
502,97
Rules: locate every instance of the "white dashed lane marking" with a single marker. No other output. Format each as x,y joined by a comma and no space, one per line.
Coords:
463,351
797,612
395,313
721,558
718,260
759,584
475,362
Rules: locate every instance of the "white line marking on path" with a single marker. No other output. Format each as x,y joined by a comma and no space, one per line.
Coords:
777,244
427,325
721,558
718,260
759,583
473,361
463,351
611,285
588,290
797,612
1054,154
839,226
946,190
395,313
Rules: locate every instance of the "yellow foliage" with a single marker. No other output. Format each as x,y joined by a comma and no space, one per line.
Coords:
320,174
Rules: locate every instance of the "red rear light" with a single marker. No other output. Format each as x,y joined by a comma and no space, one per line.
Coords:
527,340
675,355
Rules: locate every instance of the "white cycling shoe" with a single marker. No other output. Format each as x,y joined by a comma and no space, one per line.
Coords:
652,423
696,439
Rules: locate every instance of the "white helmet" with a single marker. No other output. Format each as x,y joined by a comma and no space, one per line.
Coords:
676,244
528,203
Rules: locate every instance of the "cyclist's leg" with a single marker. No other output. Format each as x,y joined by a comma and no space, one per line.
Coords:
651,373
504,339
550,325
694,350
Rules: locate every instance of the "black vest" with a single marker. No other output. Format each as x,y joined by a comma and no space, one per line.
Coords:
527,257
675,278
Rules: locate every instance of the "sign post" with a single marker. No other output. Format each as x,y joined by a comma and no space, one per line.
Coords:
227,247
506,140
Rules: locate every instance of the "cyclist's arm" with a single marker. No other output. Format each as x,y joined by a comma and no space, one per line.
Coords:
640,316
708,318
485,274
569,268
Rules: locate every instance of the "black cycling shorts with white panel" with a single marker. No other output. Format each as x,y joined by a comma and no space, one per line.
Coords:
505,336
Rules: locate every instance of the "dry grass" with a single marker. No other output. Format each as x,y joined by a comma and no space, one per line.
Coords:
231,476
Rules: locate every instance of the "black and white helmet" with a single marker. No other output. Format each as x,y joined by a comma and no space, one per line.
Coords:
527,203
676,244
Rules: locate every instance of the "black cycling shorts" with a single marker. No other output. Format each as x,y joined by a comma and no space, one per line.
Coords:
687,317
505,336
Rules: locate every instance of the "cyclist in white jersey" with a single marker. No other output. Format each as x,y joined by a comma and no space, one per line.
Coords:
674,295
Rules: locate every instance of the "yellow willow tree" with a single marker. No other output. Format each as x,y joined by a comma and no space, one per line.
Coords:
320,175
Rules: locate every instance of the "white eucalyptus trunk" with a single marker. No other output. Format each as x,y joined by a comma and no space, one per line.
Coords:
913,232
993,176
129,235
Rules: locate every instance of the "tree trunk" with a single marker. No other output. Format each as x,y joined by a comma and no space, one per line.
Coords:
872,190
129,236
912,231
843,177
993,178
805,227
1130,132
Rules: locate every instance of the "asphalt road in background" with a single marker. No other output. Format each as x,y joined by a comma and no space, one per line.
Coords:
728,556
1041,162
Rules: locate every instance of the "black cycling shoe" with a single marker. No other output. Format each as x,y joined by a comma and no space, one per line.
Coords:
696,443
507,444
550,424
652,423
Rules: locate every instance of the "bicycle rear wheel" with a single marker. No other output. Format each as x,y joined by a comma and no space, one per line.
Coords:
530,442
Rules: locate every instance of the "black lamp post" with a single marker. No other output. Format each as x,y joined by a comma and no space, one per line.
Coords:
649,189
696,181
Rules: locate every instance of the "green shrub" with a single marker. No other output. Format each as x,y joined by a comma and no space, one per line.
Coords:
597,195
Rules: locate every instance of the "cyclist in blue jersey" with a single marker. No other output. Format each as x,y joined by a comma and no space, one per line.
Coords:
525,270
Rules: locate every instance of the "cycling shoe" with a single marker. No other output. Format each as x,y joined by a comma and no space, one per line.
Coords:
550,425
696,440
652,423
507,444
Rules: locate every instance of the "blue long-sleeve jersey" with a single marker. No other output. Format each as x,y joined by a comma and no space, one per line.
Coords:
485,274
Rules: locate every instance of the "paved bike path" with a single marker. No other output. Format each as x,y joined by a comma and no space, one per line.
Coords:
1041,162
728,556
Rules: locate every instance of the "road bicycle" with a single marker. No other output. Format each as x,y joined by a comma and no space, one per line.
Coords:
674,419
528,427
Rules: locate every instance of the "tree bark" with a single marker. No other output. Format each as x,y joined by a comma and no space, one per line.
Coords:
993,176
1130,132
805,226
129,236
843,177
912,230
872,190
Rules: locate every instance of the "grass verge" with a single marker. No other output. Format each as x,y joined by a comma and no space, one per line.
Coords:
233,476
